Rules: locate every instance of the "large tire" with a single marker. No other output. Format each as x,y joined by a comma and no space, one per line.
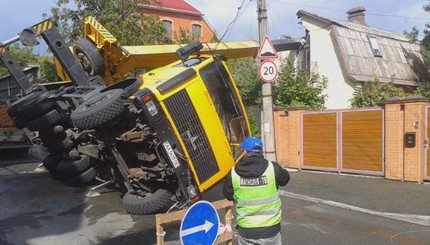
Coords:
99,110
45,121
51,161
68,168
84,179
12,110
89,57
156,202
36,107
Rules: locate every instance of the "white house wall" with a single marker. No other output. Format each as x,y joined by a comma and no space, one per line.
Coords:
325,62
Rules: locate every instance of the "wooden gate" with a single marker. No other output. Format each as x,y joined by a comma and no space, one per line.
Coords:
350,141
319,140
362,141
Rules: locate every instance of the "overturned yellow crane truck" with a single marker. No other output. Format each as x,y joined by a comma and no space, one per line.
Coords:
165,136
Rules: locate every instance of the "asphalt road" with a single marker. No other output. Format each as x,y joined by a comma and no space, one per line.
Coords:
310,223
37,210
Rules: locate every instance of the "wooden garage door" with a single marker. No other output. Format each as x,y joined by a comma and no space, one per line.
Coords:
362,140
320,140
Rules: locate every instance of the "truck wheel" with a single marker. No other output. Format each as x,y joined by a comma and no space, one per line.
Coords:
12,110
51,161
89,57
45,121
99,110
84,179
156,202
36,107
68,168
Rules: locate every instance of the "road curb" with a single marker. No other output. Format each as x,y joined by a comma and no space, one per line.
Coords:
410,218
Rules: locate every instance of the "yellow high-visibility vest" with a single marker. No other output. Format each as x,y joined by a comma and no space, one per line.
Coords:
257,199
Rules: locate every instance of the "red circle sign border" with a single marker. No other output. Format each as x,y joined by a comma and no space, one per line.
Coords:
260,72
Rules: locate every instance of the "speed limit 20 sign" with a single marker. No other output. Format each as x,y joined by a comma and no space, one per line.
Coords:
268,71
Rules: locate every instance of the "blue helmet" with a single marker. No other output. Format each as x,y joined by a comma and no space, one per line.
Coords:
252,144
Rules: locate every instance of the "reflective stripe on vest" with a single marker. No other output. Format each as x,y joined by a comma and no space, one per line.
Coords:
257,199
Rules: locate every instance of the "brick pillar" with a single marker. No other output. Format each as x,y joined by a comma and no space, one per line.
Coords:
280,119
293,136
404,115
414,165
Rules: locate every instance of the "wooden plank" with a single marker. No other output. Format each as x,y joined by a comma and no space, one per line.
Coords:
170,217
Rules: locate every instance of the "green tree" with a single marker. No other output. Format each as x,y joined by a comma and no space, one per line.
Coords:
423,90
245,73
122,18
412,35
299,88
48,72
374,93
184,36
254,125
425,42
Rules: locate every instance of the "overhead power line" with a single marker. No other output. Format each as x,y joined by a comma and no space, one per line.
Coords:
230,25
344,11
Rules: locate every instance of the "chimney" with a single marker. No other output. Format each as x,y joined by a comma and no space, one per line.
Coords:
356,15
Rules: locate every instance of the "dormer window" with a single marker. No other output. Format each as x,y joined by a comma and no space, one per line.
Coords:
374,46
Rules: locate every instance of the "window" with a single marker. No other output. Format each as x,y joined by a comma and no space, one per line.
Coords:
168,26
374,46
227,104
196,31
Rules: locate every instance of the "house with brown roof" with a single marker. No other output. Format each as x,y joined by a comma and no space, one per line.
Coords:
351,52
180,18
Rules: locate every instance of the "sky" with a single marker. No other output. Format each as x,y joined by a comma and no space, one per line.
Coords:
392,15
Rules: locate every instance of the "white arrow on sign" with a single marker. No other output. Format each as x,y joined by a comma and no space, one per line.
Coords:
205,227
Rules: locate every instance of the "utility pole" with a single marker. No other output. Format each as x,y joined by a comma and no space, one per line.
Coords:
267,125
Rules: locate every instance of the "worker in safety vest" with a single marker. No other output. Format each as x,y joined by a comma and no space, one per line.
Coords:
253,185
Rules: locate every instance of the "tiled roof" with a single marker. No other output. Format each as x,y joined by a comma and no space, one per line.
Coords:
401,61
179,5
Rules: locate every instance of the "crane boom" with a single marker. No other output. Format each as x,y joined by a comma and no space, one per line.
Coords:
119,60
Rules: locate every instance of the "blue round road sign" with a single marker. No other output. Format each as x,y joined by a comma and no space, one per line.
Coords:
200,224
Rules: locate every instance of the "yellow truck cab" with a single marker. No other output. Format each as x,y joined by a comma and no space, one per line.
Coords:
196,105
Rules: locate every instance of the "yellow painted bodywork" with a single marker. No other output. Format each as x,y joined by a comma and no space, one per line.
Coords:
120,60
205,110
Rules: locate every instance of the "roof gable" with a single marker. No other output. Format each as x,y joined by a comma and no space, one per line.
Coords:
353,26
